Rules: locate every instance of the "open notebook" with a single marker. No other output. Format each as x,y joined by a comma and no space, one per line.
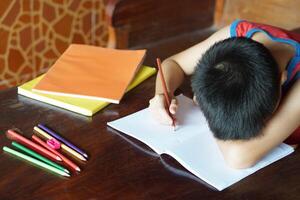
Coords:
192,144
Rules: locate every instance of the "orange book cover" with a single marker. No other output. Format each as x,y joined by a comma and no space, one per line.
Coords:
92,72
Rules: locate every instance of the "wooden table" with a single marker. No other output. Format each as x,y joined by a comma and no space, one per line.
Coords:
116,169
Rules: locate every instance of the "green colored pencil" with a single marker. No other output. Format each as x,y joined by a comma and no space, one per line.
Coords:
38,156
34,161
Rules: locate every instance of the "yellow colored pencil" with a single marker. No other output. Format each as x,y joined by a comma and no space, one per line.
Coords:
63,146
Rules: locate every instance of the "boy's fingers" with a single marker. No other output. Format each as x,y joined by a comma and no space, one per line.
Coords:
162,116
165,117
158,111
157,101
173,106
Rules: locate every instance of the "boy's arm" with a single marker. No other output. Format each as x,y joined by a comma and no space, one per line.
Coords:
286,119
174,69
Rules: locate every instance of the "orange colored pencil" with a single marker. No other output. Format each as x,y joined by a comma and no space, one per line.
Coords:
64,159
167,98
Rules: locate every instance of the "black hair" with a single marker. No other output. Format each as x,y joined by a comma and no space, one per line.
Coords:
237,86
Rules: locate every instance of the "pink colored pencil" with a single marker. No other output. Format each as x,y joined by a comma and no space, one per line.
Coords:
64,159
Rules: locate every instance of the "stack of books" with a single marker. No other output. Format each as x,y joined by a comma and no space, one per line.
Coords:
86,78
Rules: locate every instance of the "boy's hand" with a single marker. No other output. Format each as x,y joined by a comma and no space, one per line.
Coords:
158,109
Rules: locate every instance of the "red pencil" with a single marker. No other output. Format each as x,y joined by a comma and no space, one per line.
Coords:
167,98
11,134
66,160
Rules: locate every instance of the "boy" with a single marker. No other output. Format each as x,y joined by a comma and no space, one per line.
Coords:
246,82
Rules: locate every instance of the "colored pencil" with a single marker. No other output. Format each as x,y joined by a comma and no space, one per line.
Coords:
167,98
65,160
11,134
63,146
35,161
61,139
38,156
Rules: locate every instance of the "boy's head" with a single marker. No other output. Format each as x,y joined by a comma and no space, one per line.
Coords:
237,86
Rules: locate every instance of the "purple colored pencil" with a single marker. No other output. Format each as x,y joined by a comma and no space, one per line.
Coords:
56,136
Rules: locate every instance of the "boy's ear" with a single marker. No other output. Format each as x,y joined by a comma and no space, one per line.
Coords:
195,100
283,77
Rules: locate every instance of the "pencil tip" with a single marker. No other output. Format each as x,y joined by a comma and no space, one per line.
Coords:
174,128
58,158
67,171
78,169
67,175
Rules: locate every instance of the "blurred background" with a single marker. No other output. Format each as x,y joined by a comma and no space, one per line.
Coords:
34,33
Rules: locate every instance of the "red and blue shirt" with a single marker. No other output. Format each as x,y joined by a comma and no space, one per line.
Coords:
242,28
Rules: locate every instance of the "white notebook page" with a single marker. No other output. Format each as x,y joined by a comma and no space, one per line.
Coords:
192,144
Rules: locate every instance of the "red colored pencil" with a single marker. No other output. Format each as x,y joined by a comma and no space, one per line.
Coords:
64,159
11,134
167,98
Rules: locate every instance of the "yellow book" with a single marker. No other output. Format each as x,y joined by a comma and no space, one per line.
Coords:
82,106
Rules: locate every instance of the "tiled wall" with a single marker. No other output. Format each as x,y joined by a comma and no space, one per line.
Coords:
33,33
